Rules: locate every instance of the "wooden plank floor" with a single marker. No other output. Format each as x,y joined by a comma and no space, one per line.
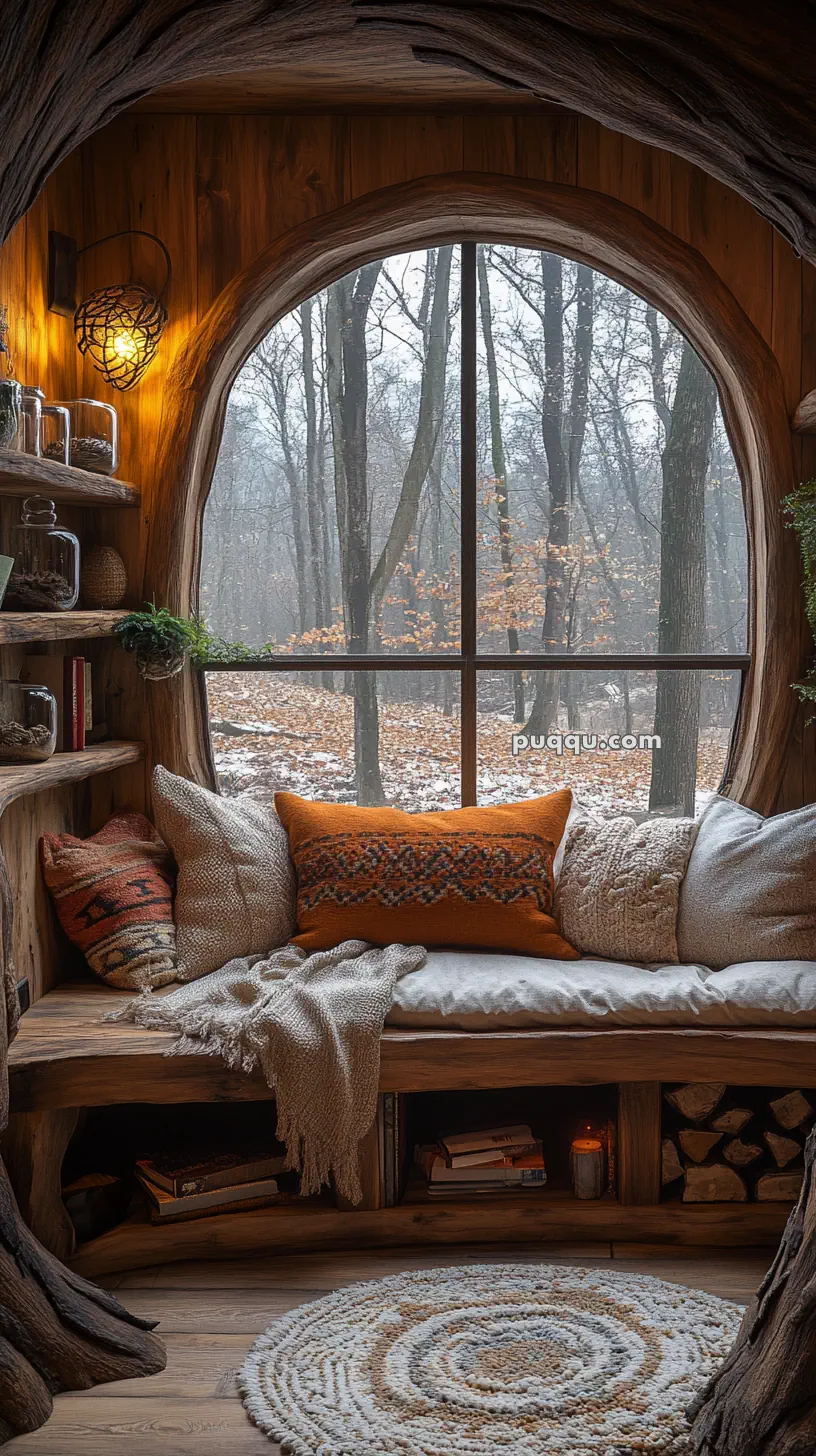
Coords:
211,1313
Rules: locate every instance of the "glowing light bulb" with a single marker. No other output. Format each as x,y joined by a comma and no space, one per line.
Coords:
124,345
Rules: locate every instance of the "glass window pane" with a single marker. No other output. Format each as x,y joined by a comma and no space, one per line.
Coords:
296,731
610,507
623,741
332,524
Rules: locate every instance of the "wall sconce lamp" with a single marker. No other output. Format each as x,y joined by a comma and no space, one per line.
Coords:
118,327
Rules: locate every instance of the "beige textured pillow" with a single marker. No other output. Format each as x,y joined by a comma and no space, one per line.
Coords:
619,889
750,890
235,892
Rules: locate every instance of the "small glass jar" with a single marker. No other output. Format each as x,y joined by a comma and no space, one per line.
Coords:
94,435
30,418
55,433
28,722
45,575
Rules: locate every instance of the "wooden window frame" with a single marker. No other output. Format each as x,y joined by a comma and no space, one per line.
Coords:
470,661
467,208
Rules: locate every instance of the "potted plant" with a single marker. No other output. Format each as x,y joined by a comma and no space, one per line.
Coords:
159,641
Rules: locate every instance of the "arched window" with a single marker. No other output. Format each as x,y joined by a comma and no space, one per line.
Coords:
476,524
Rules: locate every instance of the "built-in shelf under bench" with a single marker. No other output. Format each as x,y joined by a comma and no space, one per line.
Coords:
67,1056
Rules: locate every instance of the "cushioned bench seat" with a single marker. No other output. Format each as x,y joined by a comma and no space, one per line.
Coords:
550,1023
472,991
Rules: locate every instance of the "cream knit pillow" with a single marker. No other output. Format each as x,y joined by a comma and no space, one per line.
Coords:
235,892
619,890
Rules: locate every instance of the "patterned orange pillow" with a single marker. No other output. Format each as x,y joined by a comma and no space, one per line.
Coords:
460,877
113,894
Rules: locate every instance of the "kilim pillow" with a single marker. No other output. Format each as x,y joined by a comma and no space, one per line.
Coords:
113,894
235,891
458,877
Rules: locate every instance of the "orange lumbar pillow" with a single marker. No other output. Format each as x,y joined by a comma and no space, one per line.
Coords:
460,877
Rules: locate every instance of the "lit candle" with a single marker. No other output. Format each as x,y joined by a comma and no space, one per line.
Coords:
587,1167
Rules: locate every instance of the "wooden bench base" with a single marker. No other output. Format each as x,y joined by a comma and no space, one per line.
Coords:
67,1056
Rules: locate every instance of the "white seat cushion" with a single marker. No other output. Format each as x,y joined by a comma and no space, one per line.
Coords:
484,991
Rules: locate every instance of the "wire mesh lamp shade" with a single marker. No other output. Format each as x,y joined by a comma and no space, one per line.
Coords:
119,328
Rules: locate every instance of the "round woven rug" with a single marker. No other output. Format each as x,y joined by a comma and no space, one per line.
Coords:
533,1360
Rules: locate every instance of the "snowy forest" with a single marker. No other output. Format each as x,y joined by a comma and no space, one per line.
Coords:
609,519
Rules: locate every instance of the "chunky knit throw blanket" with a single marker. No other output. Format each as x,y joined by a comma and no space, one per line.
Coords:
312,1025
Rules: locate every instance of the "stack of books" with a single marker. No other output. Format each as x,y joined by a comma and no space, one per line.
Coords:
493,1161
186,1186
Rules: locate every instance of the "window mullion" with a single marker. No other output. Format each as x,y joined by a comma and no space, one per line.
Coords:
467,455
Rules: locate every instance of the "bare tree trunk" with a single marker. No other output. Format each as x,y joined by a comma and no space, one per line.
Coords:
545,703
429,422
681,626
354,528
313,504
499,461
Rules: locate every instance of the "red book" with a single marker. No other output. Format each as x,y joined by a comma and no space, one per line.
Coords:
73,695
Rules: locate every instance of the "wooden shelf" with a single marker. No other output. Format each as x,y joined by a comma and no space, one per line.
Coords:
57,626
22,475
65,768
505,1218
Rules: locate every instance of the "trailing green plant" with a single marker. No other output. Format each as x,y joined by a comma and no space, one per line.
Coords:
211,647
155,632
800,506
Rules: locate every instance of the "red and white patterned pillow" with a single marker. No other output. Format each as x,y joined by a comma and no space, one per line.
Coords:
113,894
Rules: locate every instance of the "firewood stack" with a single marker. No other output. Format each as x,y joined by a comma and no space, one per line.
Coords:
730,1151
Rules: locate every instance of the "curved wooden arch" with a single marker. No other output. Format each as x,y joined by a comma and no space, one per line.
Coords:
584,225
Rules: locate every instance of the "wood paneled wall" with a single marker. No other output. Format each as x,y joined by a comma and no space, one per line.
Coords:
218,188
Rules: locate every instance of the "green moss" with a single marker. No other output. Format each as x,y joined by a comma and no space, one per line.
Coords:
800,507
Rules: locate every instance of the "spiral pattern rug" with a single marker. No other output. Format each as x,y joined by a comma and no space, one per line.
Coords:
531,1360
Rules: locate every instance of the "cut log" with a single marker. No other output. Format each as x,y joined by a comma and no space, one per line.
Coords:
740,1153
697,1144
714,1183
784,1149
779,1187
762,1400
732,1121
672,1167
696,1100
791,1110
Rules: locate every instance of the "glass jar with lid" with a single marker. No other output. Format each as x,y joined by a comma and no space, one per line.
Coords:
45,575
30,419
28,722
94,435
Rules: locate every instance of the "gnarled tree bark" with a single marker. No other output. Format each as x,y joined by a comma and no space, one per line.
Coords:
729,86
762,1401
57,1331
